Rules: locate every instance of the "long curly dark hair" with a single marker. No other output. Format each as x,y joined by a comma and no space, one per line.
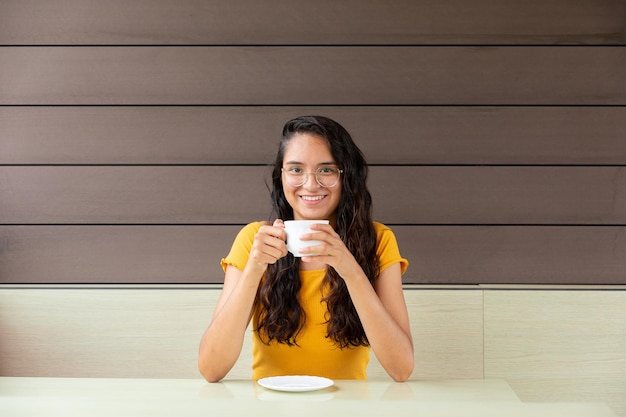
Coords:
281,316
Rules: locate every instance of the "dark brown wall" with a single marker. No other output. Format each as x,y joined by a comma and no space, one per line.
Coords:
134,136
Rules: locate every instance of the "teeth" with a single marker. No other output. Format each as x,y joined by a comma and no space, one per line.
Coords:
312,197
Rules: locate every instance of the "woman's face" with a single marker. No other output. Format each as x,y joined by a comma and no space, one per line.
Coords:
309,152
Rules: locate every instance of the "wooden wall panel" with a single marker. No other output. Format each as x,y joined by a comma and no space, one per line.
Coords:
131,194
558,345
495,128
114,254
122,332
402,194
386,134
550,345
446,326
279,22
191,254
499,195
155,332
134,194
312,75
514,254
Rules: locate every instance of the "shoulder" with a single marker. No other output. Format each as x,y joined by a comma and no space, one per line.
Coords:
240,250
382,231
387,247
379,227
248,231
384,234
251,228
246,234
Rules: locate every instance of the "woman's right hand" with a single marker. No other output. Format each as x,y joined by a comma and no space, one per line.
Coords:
268,246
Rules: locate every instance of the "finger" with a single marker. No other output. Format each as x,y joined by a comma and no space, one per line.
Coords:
322,236
316,250
274,231
326,228
268,252
322,226
280,225
326,259
274,237
272,254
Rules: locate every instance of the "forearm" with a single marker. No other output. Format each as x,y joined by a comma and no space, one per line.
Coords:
222,341
389,337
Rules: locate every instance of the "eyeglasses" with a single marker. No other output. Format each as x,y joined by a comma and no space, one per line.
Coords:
326,176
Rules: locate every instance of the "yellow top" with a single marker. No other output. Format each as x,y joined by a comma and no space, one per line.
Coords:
315,354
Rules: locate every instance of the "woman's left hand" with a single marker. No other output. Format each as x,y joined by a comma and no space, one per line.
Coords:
331,251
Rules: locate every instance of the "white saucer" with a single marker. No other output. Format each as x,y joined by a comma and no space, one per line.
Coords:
295,383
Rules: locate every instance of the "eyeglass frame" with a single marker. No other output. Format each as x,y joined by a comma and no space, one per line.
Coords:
306,177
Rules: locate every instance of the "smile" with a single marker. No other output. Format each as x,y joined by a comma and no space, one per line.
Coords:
312,197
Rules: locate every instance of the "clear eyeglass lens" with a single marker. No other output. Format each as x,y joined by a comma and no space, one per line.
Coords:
326,177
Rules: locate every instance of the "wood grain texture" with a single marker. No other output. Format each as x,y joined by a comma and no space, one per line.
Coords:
437,254
402,194
313,75
386,135
281,22
558,345
447,331
154,333
104,332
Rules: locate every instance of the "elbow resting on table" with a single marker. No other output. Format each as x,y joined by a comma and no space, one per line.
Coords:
209,374
211,378
402,374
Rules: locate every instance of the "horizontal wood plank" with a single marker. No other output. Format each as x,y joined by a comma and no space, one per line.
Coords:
290,22
191,254
402,194
315,75
387,135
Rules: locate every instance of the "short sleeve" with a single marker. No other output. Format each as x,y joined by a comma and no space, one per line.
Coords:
387,249
240,250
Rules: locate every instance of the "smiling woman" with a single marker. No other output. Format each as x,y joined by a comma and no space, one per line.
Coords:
319,314
134,143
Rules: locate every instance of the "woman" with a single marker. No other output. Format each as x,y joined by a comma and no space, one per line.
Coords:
315,315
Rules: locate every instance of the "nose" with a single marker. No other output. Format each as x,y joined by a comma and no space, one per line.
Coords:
311,181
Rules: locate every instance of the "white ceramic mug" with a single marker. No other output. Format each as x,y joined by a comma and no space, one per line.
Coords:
297,228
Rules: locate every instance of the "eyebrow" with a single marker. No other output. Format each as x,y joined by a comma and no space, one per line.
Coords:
320,164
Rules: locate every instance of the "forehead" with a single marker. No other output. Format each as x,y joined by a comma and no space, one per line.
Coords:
308,149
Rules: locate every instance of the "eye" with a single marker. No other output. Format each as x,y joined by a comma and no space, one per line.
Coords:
294,170
327,171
